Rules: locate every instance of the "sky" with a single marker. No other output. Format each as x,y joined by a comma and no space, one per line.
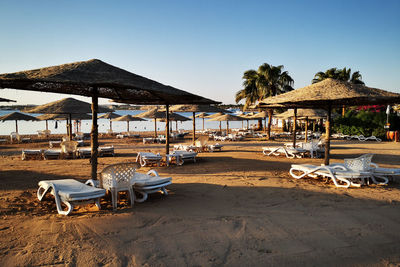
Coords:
203,46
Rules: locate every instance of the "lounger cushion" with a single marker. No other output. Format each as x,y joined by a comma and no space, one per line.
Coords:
142,179
71,189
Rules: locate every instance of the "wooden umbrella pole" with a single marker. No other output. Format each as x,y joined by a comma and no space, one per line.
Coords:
194,127
110,125
155,127
94,134
127,123
227,127
70,127
306,130
47,125
294,126
16,126
328,135
220,129
203,124
167,129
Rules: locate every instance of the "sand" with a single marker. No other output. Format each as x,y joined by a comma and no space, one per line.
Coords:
231,208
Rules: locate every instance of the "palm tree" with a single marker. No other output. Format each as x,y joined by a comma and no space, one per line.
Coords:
267,81
339,74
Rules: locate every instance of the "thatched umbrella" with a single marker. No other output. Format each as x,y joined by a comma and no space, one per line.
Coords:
176,117
128,118
248,117
95,79
305,114
227,118
46,117
194,109
6,100
329,93
110,116
215,115
261,115
155,114
68,107
202,115
17,116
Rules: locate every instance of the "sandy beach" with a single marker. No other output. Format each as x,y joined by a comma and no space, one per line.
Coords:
231,208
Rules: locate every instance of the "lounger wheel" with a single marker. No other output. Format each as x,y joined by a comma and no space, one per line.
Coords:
143,198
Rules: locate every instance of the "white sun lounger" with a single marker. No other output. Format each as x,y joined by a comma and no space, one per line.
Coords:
147,158
289,152
31,154
340,176
185,155
70,192
52,153
149,183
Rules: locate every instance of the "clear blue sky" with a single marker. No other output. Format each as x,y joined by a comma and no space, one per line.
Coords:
203,46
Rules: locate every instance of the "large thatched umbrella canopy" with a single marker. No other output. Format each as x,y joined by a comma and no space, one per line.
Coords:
176,117
128,118
304,113
6,100
17,116
227,118
95,79
329,93
66,106
197,108
110,116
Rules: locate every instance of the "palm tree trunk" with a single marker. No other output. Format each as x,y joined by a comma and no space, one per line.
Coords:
270,113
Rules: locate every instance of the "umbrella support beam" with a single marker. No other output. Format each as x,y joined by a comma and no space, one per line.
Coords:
94,134
294,126
70,127
155,128
306,131
328,135
194,127
167,129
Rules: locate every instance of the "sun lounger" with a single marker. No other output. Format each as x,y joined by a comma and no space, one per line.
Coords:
214,147
52,153
147,158
289,152
148,140
185,155
54,144
31,154
106,151
70,192
123,177
340,176
69,149
149,183
3,141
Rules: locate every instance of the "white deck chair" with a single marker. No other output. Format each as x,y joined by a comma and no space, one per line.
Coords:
340,176
147,158
149,183
31,154
185,155
289,152
70,192
52,153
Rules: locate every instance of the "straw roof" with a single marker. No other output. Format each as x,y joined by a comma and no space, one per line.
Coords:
260,115
17,116
176,117
153,113
197,108
66,106
64,117
6,100
128,118
227,117
215,115
109,115
332,92
202,115
81,78
303,113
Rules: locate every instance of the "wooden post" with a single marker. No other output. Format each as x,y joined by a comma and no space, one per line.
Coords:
94,134
127,123
155,127
167,129
306,130
203,124
220,128
47,125
294,126
227,127
70,127
110,125
328,135
16,126
194,127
